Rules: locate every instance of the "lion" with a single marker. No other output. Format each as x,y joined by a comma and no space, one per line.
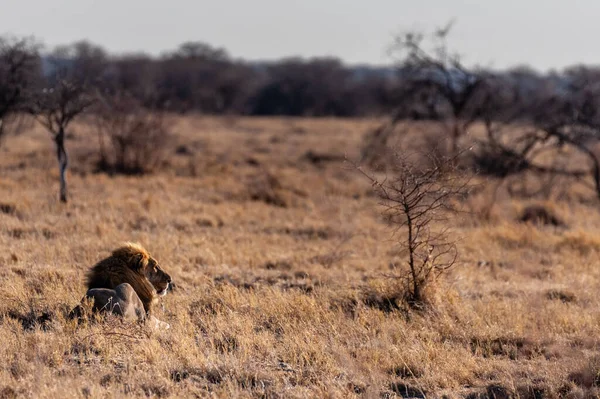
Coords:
129,282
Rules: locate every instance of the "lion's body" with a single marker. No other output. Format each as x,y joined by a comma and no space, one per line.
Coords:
109,273
123,301
133,265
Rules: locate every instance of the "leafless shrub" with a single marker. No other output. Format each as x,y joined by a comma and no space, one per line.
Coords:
132,140
420,201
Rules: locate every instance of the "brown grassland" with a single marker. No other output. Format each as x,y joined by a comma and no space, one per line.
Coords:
282,264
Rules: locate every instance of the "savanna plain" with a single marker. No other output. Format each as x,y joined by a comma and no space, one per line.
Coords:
285,276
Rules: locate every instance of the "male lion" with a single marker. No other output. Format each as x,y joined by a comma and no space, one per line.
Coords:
128,283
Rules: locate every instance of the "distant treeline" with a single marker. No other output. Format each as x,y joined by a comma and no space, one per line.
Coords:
200,78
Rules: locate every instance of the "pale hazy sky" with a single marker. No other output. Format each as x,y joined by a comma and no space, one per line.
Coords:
497,33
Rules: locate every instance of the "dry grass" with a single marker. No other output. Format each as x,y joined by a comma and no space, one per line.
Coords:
281,261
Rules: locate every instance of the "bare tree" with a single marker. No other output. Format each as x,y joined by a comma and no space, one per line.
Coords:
574,122
441,79
524,137
55,108
420,201
435,84
19,64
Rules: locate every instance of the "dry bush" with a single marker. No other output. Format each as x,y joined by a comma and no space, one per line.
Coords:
132,140
420,200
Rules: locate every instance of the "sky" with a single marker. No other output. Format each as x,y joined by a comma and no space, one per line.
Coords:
544,34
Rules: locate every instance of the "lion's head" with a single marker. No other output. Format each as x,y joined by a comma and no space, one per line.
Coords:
140,260
159,279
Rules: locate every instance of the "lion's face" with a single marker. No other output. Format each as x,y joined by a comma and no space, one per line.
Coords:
157,277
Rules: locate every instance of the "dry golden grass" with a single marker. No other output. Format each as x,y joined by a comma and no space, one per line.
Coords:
282,266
